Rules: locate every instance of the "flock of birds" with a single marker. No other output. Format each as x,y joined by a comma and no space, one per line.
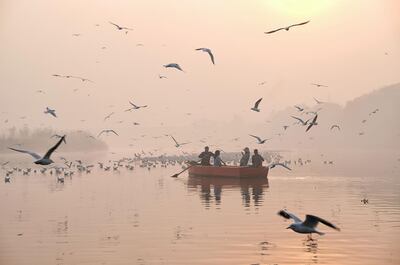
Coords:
308,226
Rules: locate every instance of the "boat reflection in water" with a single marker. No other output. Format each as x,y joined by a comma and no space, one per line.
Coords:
211,188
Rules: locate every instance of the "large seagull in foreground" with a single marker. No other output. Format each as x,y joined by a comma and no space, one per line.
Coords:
45,160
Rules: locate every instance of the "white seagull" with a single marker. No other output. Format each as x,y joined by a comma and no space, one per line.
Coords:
173,65
176,142
287,28
279,164
135,106
45,160
308,226
120,27
50,111
255,108
260,141
209,53
107,132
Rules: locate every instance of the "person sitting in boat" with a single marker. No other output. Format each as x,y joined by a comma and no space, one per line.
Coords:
217,159
206,156
245,157
257,159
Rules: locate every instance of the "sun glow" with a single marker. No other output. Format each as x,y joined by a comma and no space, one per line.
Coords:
299,8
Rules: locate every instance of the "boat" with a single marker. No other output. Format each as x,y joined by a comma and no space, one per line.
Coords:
229,171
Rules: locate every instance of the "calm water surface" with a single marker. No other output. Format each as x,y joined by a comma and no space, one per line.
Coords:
146,217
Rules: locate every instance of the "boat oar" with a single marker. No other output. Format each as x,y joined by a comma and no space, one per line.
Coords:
177,174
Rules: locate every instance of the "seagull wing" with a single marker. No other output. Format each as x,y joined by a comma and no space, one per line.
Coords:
273,31
53,113
135,106
257,103
287,215
211,55
309,127
101,133
114,24
114,132
174,140
258,138
312,221
51,150
300,120
34,155
299,24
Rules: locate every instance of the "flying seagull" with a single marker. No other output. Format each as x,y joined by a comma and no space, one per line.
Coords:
255,108
312,123
335,126
279,164
45,160
135,106
162,77
304,123
50,111
176,142
209,53
120,27
83,79
286,28
260,141
173,65
318,85
107,132
308,226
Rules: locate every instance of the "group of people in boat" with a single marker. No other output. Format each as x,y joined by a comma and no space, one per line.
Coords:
205,156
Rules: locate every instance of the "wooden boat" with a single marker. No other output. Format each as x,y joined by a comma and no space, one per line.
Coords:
229,171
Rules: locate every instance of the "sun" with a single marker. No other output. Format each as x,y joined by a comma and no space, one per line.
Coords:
299,8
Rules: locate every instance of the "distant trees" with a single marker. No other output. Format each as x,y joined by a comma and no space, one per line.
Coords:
41,139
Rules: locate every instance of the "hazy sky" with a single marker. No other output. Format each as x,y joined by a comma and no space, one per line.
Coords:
343,47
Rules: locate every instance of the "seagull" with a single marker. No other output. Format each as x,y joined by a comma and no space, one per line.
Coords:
286,28
285,127
176,143
299,108
318,85
162,77
312,123
308,226
255,108
136,123
40,91
173,65
50,111
209,53
108,116
260,141
135,106
119,27
318,102
304,123
335,126
107,132
45,160
278,164
76,77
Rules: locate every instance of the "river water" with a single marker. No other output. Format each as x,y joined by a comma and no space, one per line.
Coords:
146,217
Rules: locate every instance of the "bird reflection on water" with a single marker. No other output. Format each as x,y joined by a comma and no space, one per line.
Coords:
211,189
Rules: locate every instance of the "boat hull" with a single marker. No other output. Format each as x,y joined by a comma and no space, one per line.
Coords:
229,171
